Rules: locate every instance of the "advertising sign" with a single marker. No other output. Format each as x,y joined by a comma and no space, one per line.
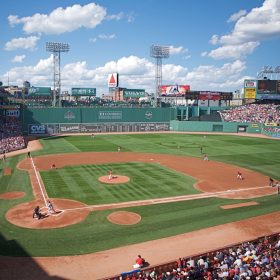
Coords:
110,115
40,91
133,93
193,95
69,128
250,83
267,86
13,113
226,95
174,90
83,91
250,93
113,80
209,95
36,129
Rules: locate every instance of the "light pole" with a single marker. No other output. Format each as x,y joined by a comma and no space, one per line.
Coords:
56,49
158,52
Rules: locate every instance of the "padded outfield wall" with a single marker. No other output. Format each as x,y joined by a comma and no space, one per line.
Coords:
44,121
227,127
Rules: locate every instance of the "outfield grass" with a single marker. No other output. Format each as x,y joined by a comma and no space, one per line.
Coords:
262,155
162,220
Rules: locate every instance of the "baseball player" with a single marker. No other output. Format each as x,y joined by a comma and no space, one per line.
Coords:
110,176
239,175
50,208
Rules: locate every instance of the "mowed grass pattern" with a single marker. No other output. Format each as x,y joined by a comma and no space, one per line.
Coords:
262,155
95,233
146,181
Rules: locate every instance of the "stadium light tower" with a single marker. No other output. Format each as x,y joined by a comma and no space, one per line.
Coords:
158,52
56,49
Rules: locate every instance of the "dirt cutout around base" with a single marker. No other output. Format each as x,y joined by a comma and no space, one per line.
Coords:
12,195
7,171
237,205
68,212
116,179
124,218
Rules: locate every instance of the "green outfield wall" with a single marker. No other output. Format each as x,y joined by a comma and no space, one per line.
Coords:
229,127
48,121
42,121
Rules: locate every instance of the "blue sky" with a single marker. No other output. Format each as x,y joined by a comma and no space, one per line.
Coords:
214,45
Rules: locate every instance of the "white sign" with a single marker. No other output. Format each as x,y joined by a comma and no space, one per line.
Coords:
250,83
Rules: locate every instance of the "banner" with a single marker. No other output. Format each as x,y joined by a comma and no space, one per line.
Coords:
174,90
110,115
270,124
209,95
36,129
83,91
250,83
250,93
133,93
39,91
13,113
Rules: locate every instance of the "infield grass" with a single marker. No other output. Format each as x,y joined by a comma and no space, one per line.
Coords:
96,233
146,181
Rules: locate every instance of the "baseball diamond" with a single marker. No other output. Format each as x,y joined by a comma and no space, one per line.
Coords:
170,194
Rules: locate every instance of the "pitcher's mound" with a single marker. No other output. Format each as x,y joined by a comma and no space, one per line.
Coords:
12,195
116,179
124,218
69,212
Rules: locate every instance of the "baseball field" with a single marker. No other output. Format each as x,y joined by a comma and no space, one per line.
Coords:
168,189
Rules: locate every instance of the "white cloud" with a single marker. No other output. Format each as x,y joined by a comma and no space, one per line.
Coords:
234,51
134,72
93,40
226,77
214,39
18,58
237,16
107,37
62,20
187,57
130,17
116,17
249,30
22,43
103,37
177,50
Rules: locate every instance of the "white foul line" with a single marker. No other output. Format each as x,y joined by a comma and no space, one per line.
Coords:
38,180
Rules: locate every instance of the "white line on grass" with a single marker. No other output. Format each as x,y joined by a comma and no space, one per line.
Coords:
161,200
39,182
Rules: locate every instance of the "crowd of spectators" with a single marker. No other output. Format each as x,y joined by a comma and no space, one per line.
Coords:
272,129
252,113
256,260
11,137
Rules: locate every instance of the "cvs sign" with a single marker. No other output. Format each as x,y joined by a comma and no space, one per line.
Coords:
34,129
